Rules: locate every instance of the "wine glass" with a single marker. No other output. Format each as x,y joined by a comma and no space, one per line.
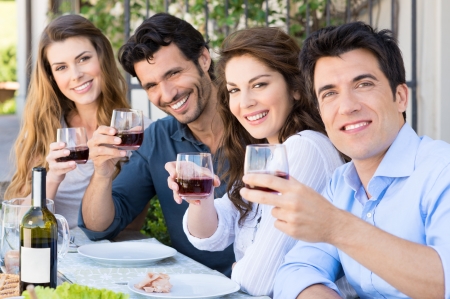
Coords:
195,175
266,159
76,142
130,128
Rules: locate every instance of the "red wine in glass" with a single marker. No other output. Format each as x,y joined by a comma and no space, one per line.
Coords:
279,174
195,187
130,140
79,154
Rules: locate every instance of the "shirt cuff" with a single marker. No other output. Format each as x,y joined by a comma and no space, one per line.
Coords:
290,286
212,243
110,233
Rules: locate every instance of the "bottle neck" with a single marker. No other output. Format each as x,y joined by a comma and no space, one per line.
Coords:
38,188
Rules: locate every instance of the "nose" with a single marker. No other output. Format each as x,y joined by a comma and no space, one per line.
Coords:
167,92
76,73
349,103
246,99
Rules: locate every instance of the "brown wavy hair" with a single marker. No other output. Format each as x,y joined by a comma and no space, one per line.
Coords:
46,105
278,51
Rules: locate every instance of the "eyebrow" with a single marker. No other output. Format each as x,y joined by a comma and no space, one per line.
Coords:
166,74
356,79
76,57
251,80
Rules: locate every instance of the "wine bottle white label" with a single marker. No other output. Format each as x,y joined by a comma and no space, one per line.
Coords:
35,265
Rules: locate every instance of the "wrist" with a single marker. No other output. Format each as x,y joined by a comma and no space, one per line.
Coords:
340,225
54,179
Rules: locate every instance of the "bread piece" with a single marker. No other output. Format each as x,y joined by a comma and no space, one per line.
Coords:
9,285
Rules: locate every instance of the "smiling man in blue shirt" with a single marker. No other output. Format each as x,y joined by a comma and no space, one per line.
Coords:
172,62
384,219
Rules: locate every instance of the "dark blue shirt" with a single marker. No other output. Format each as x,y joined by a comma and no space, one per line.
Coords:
144,176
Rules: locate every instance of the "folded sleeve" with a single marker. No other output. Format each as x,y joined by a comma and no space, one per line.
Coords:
306,265
224,234
131,191
437,222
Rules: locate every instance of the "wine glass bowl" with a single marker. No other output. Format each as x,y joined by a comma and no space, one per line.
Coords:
195,175
130,128
266,159
76,142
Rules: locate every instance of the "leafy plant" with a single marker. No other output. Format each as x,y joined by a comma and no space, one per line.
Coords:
8,64
155,225
8,107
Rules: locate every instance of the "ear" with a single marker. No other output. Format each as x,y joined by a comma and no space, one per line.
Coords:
401,97
205,60
296,95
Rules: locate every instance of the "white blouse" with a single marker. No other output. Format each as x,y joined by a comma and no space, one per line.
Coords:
258,246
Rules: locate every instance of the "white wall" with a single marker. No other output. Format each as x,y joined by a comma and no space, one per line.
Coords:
434,68
433,60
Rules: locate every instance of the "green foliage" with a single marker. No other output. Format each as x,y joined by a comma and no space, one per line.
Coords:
74,291
108,17
8,64
8,107
154,225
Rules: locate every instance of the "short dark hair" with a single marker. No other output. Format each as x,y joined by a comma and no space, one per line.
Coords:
158,31
335,41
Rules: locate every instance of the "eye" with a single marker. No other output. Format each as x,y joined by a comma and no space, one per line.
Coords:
150,86
174,73
85,58
328,94
258,85
60,68
233,90
365,84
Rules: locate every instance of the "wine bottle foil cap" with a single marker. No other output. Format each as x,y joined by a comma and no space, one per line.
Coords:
39,169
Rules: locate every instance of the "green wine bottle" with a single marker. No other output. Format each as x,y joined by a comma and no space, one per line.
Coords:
38,238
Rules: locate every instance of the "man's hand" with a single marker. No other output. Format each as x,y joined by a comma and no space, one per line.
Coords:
301,212
101,151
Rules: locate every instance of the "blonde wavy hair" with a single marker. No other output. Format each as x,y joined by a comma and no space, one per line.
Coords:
46,105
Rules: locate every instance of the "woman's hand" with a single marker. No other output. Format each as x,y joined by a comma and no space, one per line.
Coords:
57,170
172,184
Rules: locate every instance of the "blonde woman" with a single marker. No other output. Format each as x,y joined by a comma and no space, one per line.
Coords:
75,83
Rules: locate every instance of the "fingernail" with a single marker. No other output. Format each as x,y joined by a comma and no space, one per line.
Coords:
112,131
66,152
123,153
61,144
117,140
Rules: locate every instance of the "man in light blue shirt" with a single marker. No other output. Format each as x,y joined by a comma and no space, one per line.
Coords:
384,219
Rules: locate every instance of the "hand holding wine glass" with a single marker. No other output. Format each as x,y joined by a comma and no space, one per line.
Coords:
195,175
76,142
266,159
130,128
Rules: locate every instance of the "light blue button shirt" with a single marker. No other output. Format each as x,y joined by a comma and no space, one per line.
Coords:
410,199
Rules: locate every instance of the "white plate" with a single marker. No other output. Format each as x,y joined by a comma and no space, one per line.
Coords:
126,254
189,286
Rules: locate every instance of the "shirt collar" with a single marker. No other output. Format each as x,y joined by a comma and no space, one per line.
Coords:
184,133
398,162
400,158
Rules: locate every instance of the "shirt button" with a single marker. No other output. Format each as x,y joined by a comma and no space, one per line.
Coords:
369,215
